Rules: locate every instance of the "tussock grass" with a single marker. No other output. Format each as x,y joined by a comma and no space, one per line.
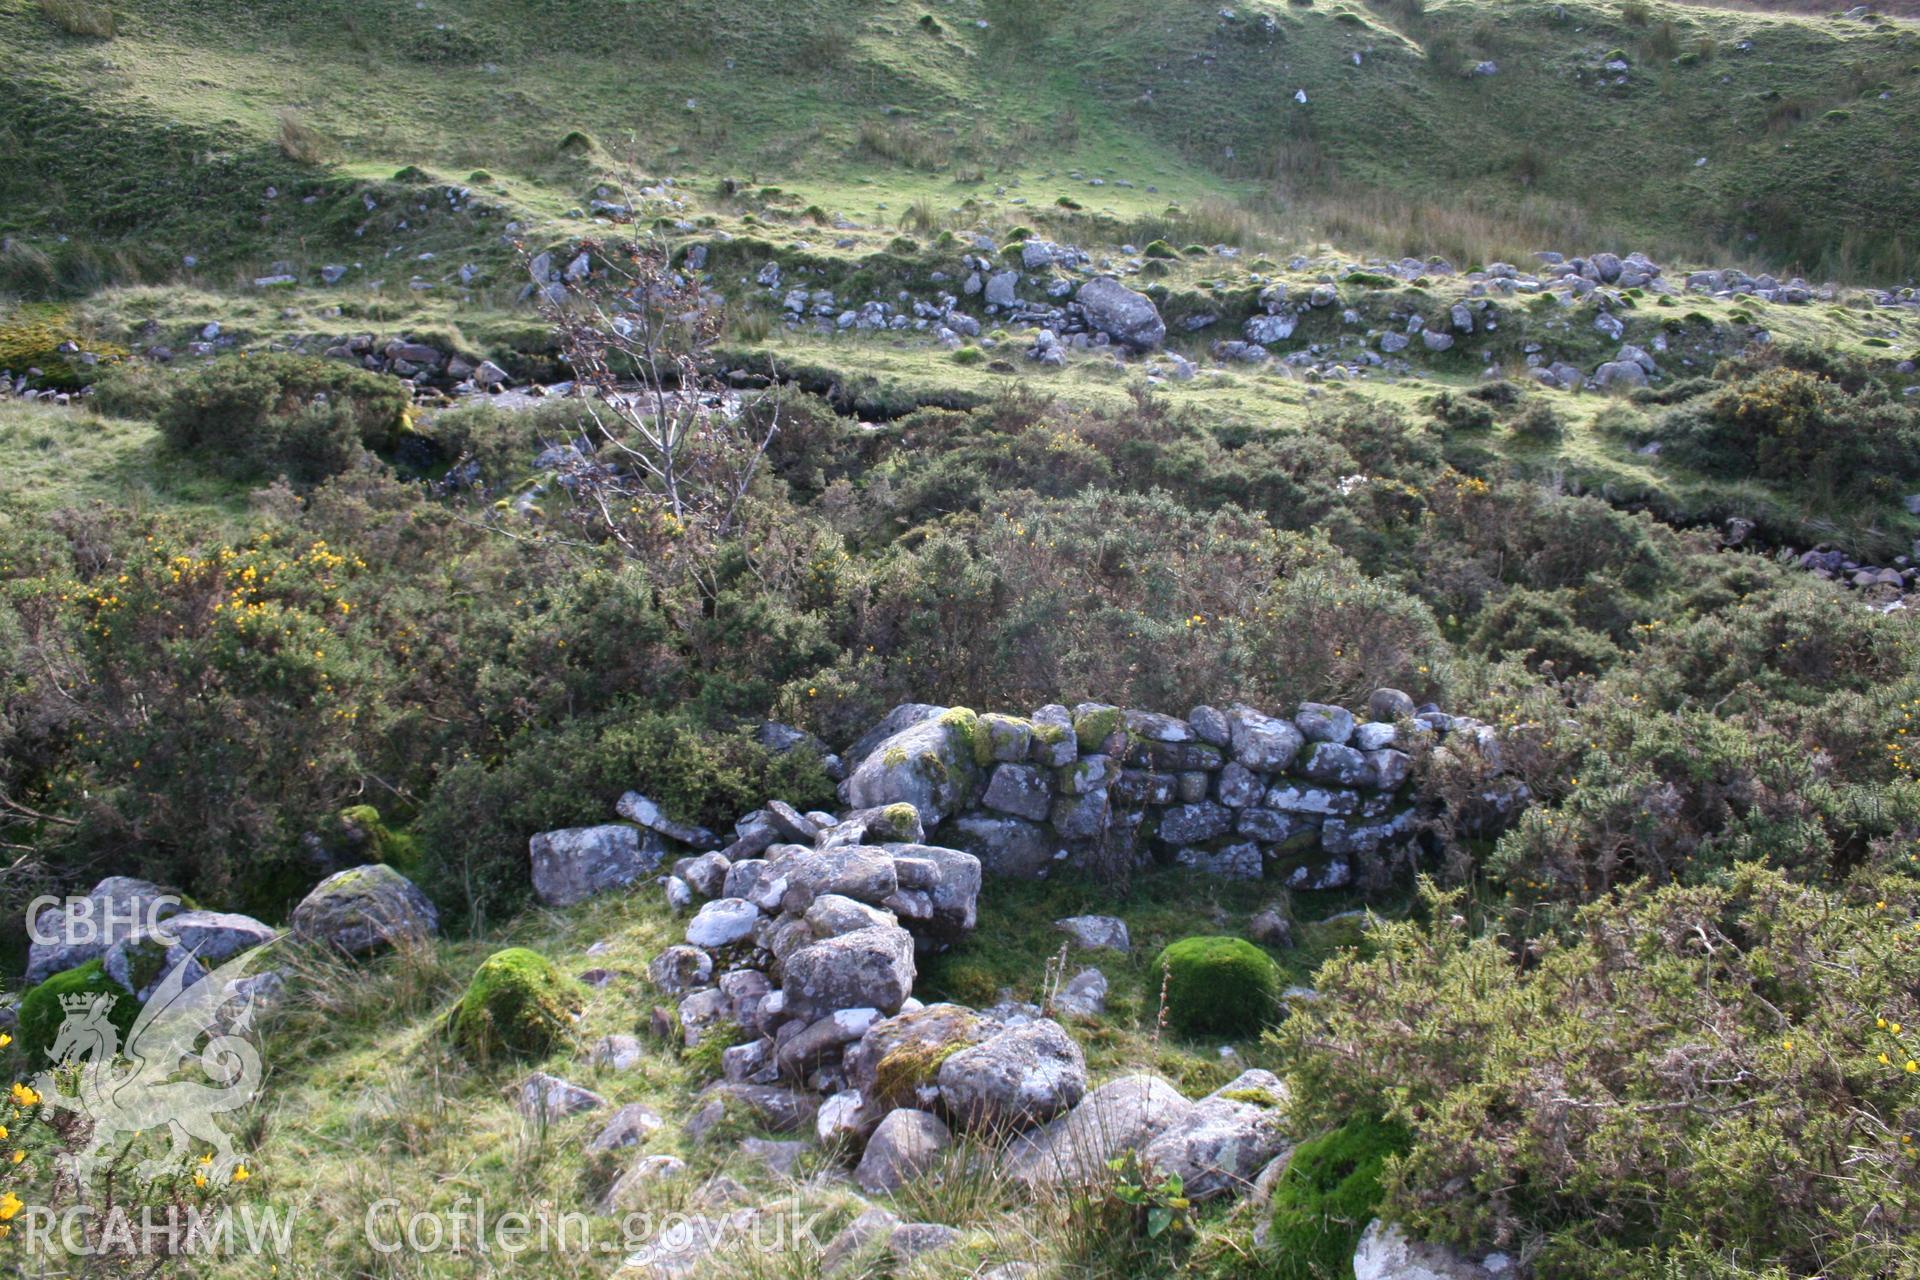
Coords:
80,18
905,144
300,142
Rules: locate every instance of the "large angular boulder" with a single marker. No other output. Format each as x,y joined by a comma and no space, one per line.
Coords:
1263,743
1025,1075
364,909
200,940
930,765
896,1058
939,890
906,1144
1125,316
904,716
575,864
1226,1139
1005,846
115,909
868,968
1121,1115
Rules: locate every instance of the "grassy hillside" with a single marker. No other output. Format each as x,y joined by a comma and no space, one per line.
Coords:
163,139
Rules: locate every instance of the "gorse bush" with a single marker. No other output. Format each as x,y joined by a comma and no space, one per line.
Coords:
1724,1071
262,416
1803,431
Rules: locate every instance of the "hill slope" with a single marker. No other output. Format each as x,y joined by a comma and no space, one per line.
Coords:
1586,124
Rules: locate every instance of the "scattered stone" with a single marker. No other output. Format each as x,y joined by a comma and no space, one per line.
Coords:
365,909
722,922
574,865
1387,1253
1096,932
906,1144
1121,1115
630,1126
548,1098
1023,1076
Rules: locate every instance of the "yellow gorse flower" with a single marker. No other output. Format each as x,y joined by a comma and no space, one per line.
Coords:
23,1096
10,1206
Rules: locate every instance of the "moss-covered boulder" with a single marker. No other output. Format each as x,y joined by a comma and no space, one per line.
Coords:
1328,1194
364,909
42,1011
931,765
518,1004
1219,986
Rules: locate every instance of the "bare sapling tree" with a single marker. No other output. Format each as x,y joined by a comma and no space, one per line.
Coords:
672,460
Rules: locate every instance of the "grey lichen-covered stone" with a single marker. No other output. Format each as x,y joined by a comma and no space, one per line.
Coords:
1081,817
1004,845
905,1145
1096,932
1320,722
117,908
680,969
642,812
1121,1115
1337,765
1241,861
575,864
1023,1076
364,909
1020,789
1262,742
1120,313
1193,823
722,923
866,968
1084,995
1386,1252
1295,798
630,1126
1217,1147
930,766
1389,705
939,890
548,1098
1009,738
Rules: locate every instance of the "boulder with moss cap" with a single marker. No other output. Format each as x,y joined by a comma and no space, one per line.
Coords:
366,909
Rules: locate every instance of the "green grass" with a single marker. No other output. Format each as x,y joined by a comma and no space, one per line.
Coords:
164,141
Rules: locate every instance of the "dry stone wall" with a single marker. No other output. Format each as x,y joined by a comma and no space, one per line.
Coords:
1307,799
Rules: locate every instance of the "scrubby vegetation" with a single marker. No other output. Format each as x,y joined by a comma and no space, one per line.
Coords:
268,613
